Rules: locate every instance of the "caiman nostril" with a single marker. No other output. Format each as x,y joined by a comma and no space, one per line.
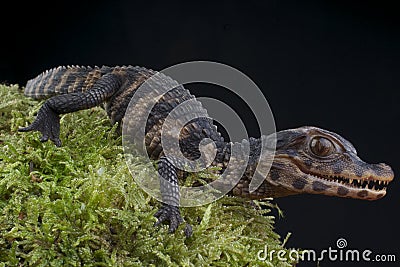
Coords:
383,170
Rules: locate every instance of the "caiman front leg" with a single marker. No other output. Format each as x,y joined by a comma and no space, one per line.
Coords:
169,211
48,120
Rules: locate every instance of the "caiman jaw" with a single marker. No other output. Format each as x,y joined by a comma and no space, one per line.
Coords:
370,183
370,188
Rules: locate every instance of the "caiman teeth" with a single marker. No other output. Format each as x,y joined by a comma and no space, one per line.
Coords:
376,185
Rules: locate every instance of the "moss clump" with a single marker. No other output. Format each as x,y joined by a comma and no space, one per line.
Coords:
78,205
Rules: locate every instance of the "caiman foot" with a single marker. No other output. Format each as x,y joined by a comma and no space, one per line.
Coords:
171,214
48,123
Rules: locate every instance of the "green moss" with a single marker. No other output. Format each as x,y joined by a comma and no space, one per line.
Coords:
78,205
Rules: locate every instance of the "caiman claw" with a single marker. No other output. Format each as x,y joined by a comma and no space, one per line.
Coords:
48,123
171,214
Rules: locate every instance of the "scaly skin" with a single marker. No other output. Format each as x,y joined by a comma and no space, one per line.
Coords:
307,159
316,161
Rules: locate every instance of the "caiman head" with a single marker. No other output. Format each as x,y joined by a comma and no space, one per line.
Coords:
316,161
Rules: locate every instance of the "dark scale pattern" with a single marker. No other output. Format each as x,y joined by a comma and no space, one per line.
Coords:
342,191
362,193
319,186
168,182
274,174
299,183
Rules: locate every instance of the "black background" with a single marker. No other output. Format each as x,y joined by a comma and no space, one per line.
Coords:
332,64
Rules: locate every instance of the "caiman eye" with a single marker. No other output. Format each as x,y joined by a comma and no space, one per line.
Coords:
321,146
